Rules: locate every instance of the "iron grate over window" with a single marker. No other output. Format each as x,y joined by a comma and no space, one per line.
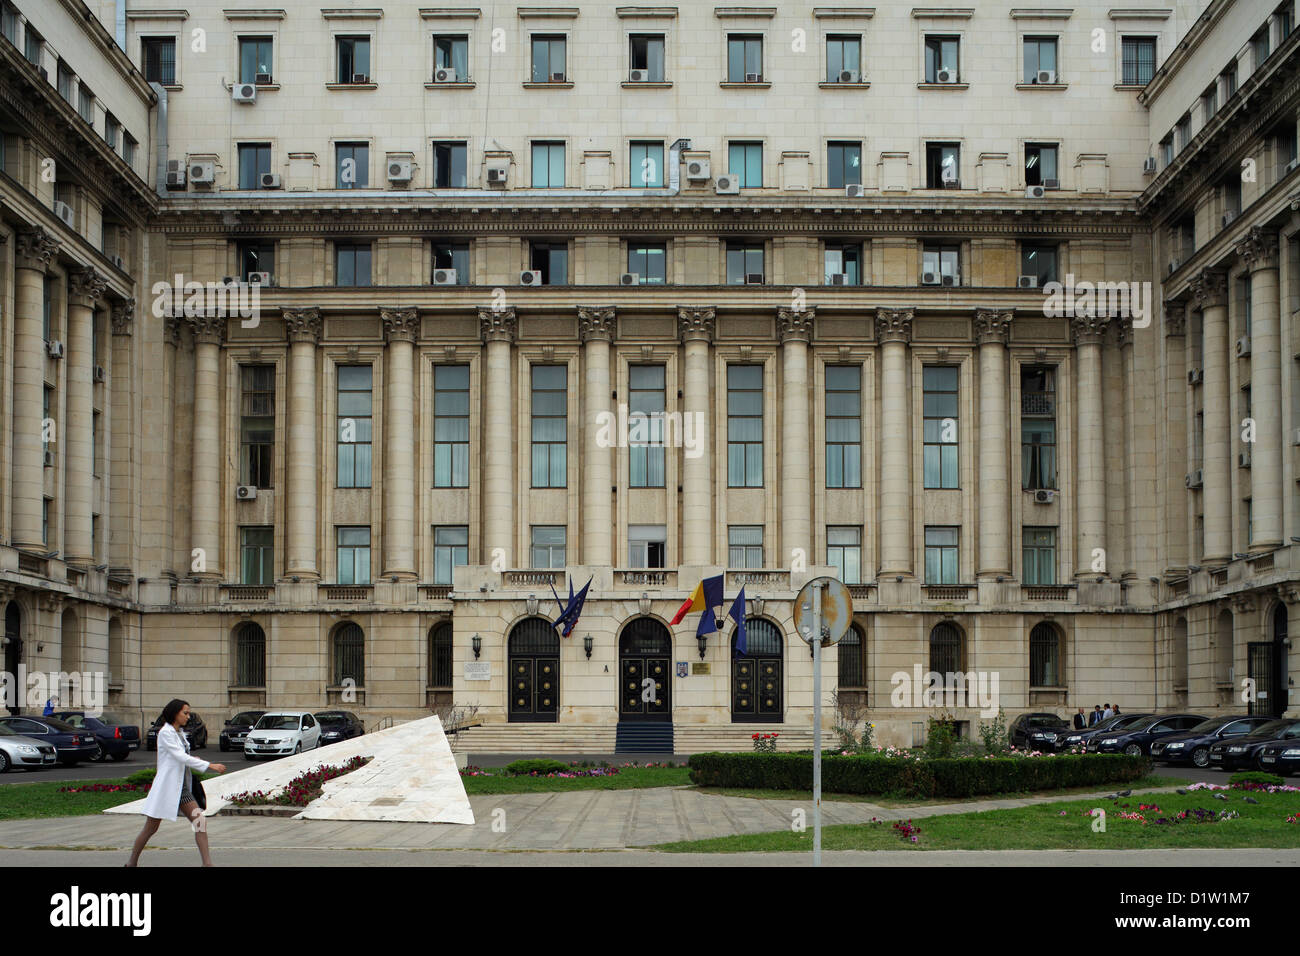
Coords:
534,636
945,649
440,655
762,638
645,637
250,656
850,659
349,655
1044,656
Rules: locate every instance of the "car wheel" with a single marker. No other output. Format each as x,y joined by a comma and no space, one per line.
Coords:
99,756
297,748
1201,756
1133,750
1259,764
4,762
121,756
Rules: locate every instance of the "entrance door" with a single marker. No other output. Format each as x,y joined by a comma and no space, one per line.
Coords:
14,651
534,651
1261,667
756,676
645,669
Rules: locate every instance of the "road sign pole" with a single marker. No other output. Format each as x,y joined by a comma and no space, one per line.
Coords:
817,724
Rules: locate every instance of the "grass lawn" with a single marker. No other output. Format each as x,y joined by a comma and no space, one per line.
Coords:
627,778
34,800
1042,827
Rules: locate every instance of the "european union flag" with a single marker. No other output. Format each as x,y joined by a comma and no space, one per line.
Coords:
737,614
573,610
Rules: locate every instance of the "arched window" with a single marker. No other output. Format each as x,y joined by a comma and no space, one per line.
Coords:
1045,656
1223,649
852,675
946,650
349,655
440,655
250,655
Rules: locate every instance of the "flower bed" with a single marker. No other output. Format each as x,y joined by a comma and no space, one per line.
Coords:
299,791
106,788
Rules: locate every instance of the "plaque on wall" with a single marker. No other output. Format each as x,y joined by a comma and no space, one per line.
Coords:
478,670
699,668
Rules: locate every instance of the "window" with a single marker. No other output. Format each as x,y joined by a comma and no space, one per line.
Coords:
849,652
646,545
844,553
351,264
1038,261
352,162
1183,132
1259,46
450,166
1044,656
648,55
1037,427
1210,101
353,59
1040,166
551,259
452,53
744,426
256,549
158,55
355,425
254,163
941,63
254,59
1138,60
250,655
843,426
645,402
9,23
1040,55
451,426
942,165
744,58
745,162
353,555
548,59
843,260
649,261
1284,141
646,164
548,165
744,546
128,149
32,45
440,655
550,425
450,550
942,262
94,443
744,263
843,164
1283,14
86,103
1231,195
1167,150
941,555
349,662
257,425
66,77
256,256
1229,80
940,425
453,255
46,503
843,55
47,312
47,404
1040,556
547,549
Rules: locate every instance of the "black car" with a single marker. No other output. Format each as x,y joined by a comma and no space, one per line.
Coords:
1241,751
1195,744
1080,738
236,729
1279,756
195,732
1037,731
73,745
1137,737
336,725
116,738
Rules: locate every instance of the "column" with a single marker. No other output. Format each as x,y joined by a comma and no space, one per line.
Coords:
894,332
596,329
1175,439
696,329
205,475
992,333
1259,250
303,328
401,326
1211,291
498,331
795,330
1120,560
85,286
1091,514
32,256
122,443
172,330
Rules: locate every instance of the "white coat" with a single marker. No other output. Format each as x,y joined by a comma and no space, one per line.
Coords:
163,801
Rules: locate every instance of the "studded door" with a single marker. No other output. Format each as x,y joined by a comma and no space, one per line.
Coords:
534,664
756,676
645,672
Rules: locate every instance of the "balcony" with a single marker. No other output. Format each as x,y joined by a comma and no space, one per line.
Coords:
346,592
241,593
435,592
529,579
1047,592
862,592
1042,404
948,592
33,564
646,577
778,579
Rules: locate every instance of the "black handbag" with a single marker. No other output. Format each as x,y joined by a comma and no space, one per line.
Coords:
196,788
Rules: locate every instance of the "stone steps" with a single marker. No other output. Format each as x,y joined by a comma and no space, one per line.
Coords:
560,739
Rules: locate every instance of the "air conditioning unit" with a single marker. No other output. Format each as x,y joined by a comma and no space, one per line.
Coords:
1173,266
630,278
445,74
848,76
855,191
64,212
1243,346
244,93
259,278
1195,376
929,278
1051,184
1046,76
497,175
444,276
1044,496
1027,282
175,174
262,78
203,172
530,277
99,375
399,171
1035,192
557,77
1228,217
950,280
360,78
753,278
49,458
1243,459
1193,479
946,76
951,184
638,76
1149,165
753,77
54,348
270,180
245,493
699,169
727,186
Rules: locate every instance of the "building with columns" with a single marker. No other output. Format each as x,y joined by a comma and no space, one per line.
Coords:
643,295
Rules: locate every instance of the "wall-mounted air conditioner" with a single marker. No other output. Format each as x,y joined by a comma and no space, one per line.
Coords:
1195,376
699,170
946,76
1194,479
950,280
638,76
444,276
1149,165
262,79
49,458
497,175
753,278
1044,496
175,174
929,278
259,278
1046,76
530,277
848,76
245,493
727,186
1243,459
399,171
203,173
360,78
1035,192
1243,346
1027,282
855,191
630,278
444,74
99,375
54,348
270,180
839,278
245,93
753,77
64,212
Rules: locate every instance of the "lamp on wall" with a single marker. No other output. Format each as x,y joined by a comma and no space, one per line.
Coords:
644,603
477,643
587,643
531,604
703,641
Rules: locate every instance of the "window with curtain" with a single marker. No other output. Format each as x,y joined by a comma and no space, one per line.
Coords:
450,550
1037,427
355,425
254,163
940,383
843,426
744,426
844,553
256,553
843,53
353,555
646,164
452,53
648,54
649,260
547,549
450,165
745,162
255,60
941,555
353,59
550,411
647,545
646,398
352,264
744,58
941,53
745,263
451,426
842,259
548,165
745,546
257,425
1039,556
352,165
1040,165
1040,54
549,59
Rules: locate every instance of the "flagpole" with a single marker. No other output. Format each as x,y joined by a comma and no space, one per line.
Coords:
817,724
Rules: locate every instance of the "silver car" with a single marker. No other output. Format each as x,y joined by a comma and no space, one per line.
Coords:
19,751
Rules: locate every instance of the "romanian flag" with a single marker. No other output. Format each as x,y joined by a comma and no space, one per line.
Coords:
707,594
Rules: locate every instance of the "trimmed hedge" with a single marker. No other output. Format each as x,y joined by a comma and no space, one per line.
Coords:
947,777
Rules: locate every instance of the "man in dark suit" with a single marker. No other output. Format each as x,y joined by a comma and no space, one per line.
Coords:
1095,716
1080,720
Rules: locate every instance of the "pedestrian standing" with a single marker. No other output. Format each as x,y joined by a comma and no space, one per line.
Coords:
1080,720
1095,717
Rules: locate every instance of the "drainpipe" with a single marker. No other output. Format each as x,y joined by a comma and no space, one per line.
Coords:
160,139
674,165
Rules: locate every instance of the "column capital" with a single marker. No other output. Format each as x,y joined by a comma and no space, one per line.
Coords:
993,326
400,325
597,323
35,249
1123,326
303,325
696,324
795,325
1175,319
85,286
1088,330
208,329
498,325
172,330
123,316
1210,287
894,325
1259,249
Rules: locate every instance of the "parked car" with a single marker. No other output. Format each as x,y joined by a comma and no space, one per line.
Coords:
1194,745
1037,731
1080,738
336,725
196,732
116,738
1241,752
71,745
237,728
17,750
282,732
1138,736
1280,756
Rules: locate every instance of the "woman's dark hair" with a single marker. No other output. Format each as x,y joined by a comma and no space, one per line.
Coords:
172,709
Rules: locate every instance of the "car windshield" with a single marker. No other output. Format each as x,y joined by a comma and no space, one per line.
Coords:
278,722
248,717
1211,725
331,720
1051,721
1142,723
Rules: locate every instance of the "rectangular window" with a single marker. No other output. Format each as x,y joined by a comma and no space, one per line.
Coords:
1167,150
352,163
1038,261
257,425
744,263
451,426
256,256
1259,46
744,546
355,425
1183,132
94,443
547,549
552,261
9,22
843,56
452,255
843,264
941,62
451,53
128,149
942,165
158,56
450,165
65,82
47,311
1040,55
548,59
255,60
843,164
45,520
745,162
744,58
32,44
353,59
254,163
550,425
645,401
351,264
649,261
646,544
1283,14
844,553
646,164
940,425
548,165
843,426
1229,79
86,103
353,555
941,555
942,263
1210,101
1037,427
648,55
1040,556
744,426
1138,60
256,553
450,550
1041,166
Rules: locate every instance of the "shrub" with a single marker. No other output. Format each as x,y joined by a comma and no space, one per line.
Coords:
143,776
994,733
523,768
1252,776
939,737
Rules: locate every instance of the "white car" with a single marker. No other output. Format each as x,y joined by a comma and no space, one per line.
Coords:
282,732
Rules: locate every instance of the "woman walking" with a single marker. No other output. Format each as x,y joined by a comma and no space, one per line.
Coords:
171,786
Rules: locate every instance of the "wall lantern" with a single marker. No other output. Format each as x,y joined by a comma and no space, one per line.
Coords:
586,645
703,641
477,643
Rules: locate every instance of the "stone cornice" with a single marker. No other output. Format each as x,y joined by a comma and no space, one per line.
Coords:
1210,287
498,325
303,325
993,326
207,329
1088,329
85,286
894,325
795,325
400,325
123,317
1259,249
696,323
1175,319
597,323
35,248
